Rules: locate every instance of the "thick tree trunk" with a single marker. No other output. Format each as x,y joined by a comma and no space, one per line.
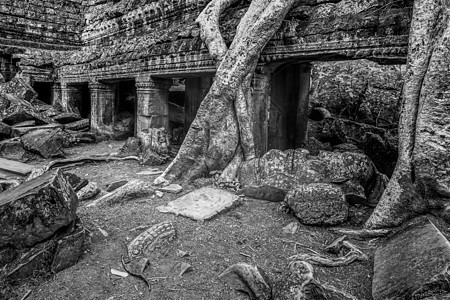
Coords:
424,136
221,132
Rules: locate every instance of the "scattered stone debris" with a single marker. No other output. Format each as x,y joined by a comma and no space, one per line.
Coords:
185,268
412,264
290,228
171,188
201,204
115,185
120,273
181,253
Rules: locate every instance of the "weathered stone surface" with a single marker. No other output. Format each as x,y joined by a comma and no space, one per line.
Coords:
292,168
318,204
35,210
132,147
46,142
201,204
75,181
69,248
407,263
19,131
19,88
69,117
13,149
82,124
88,192
151,158
20,113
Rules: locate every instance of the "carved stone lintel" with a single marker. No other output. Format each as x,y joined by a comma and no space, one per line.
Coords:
149,83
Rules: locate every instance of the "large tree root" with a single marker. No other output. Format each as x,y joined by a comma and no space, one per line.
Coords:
133,189
339,247
363,234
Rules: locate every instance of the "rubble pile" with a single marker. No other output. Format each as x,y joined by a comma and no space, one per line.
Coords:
29,126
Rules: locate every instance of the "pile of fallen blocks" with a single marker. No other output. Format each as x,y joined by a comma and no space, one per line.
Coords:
29,126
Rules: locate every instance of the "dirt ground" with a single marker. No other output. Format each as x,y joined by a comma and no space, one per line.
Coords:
250,233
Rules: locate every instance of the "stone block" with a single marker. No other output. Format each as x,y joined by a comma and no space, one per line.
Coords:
318,204
36,209
412,264
201,204
46,142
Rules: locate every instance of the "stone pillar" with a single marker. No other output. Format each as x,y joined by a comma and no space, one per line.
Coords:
102,108
304,84
56,93
196,90
261,103
152,95
68,95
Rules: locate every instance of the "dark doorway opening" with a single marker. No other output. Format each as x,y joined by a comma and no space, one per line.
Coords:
125,110
177,94
84,105
44,91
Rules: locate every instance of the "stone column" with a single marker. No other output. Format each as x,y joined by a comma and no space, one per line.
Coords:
196,90
304,84
56,93
261,104
152,95
68,95
102,108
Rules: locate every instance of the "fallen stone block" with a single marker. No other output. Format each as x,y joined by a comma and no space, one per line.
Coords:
88,192
412,264
19,131
46,142
13,149
201,204
68,117
15,166
80,125
35,210
19,88
20,113
75,181
318,204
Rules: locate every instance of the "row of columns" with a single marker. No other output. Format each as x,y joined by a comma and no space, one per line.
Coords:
152,101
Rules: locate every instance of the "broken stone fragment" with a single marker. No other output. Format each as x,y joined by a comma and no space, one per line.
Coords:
19,88
318,204
76,181
412,264
35,210
46,142
19,113
171,188
80,125
88,192
68,117
13,149
115,185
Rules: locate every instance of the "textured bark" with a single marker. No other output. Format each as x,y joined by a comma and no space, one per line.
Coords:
222,128
423,128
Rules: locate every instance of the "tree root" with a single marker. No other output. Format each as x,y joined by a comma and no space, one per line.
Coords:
133,189
363,234
338,247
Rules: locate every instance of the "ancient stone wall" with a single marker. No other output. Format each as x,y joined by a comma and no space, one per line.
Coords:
44,24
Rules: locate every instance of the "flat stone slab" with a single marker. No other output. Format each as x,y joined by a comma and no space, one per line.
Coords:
171,188
408,261
201,204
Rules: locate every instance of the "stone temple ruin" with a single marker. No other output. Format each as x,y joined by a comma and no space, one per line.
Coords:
92,70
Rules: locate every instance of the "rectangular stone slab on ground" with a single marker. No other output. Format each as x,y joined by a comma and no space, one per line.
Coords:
201,204
408,260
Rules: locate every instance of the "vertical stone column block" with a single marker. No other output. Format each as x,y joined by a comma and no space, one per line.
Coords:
102,108
260,94
67,99
56,93
152,103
